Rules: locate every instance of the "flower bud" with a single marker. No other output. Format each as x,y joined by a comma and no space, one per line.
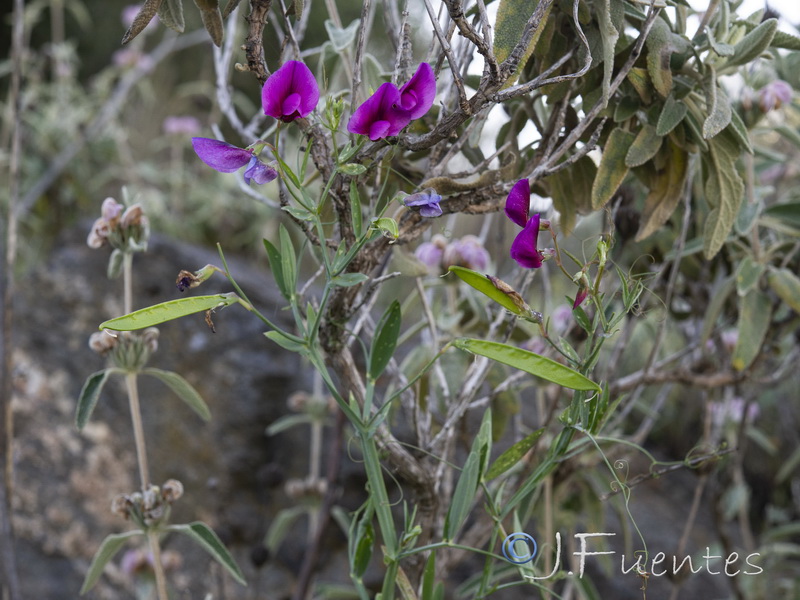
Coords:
171,490
466,252
102,342
111,210
150,339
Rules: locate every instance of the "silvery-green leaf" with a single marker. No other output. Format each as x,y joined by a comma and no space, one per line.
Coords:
108,549
170,13
717,105
755,313
341,38
203,535
183,389
754,43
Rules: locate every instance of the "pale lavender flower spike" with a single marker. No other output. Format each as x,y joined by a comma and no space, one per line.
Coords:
290,93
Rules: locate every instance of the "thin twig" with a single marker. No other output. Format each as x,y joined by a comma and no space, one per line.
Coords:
448,51
361,42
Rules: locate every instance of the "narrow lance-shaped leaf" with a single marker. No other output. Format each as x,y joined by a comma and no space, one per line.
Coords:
142,19
609,11
513,455
644,147
208,540
787,286
497,290
755,313
90,393
529,362
665,192
718,106
612,169
212,19
512,15
288,261
108,549
754,43
276,266
171,14
385,341
168,311
467,486
183,389
724,190
671,115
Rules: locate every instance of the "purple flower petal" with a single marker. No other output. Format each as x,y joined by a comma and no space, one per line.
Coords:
378,116
290,92
519,202
259,172
583,292
417,95
219,155
428,201
523,249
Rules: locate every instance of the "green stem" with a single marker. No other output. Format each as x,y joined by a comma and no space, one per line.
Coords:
155,550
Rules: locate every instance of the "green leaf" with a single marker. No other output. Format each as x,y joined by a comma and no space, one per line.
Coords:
387,226
513,455
529,362
659,50
787,286
281,526
299,213
341,38
748,274
287,422
90,394
230,7
644,147
673,113
785,40
142,19
497,290
288,261
429,577
183,389
626,108
719,296
363,550
355,208
571,191
115,263
208,540
512,15
352,169
110,546
610,15
666,190
467,486
385,341
720,48
612,169
724,190
755,312
171,14
291,344
717,105
212,19
296,9
168,311
349,279
739,131
275,265
754,43
788,212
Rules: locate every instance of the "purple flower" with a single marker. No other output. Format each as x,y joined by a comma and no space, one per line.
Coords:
583,292
417,95
427,200
774,94
290,93
466,252
380,116
518,203
182,125
227,158
259,172
524,247
430,253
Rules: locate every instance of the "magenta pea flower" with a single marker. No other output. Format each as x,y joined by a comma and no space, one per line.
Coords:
380,115
524,247
427,201
290,93
417,94
227,158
